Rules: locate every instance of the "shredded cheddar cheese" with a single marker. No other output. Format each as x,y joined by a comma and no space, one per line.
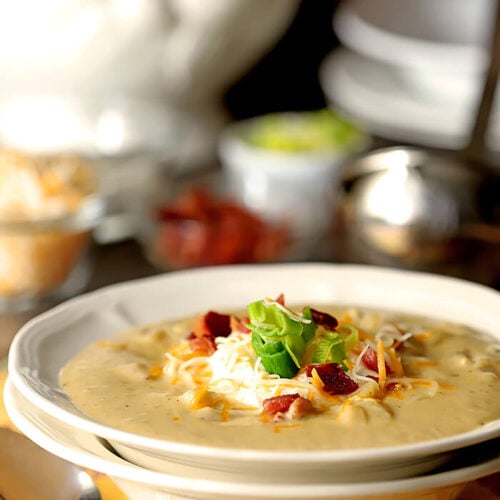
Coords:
315,379
233,379
422,363
447,387
424,335
37,258
381,364
395,363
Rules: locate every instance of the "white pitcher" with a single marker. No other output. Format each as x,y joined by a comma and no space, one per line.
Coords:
102,76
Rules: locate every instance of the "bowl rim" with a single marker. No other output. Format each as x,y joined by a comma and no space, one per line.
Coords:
25,375
86,217
404,50
41,428
232,143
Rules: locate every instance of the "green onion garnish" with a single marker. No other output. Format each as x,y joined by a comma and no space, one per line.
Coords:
286,333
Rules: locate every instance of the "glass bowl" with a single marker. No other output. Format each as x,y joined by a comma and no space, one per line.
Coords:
48,209
197,222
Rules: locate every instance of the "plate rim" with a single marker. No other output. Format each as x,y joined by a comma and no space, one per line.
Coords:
354,31
439,125
16,367
120,468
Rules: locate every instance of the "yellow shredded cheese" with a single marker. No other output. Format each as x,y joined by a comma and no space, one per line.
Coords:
423,335
447,387
422,362
233,379
381,364
316,380
395,363
155,372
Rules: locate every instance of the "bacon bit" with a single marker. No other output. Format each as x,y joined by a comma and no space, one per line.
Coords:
280,299
335,380
239,325
287,406
397,344
213,324
234,322
370,360
394,386
198,229
202,346
395,389
299,408
205,329
279,404
325,320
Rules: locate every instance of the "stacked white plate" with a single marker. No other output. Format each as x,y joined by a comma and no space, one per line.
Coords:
412,71
146,467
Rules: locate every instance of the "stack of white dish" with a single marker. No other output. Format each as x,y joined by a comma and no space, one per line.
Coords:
412,71
147,468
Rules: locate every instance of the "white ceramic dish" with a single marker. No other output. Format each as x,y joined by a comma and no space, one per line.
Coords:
46,343
87,450
269,181
449,35
439,49
376,95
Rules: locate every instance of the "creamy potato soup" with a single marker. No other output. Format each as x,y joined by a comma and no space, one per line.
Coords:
301,378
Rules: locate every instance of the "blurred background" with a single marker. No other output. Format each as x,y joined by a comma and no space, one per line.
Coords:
142,136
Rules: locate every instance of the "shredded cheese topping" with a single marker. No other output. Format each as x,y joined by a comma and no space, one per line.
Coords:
233,379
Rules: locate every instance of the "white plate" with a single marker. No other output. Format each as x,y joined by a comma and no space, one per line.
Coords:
438,48
449,35
86,450
44,345
375,94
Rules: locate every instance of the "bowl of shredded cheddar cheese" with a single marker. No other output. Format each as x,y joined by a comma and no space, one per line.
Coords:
48,208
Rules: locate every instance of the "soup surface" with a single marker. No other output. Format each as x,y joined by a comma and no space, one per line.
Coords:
276,378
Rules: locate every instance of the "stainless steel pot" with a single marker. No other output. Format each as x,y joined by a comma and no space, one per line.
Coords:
410,208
